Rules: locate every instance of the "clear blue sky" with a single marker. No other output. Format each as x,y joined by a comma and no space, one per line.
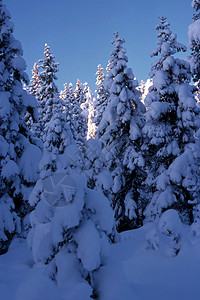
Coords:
79,32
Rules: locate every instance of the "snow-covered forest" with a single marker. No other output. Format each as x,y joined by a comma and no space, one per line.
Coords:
100,190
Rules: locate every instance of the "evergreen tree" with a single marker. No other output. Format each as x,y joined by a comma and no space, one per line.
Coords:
44,88
90,103
194,43
72,236
32,117
35,83
91,115
78,93
57,134
64,93
102,96
67,213
119,132
80,121
60,150
19,156
87,99
71,92
172,118
72,112
67,96
95,168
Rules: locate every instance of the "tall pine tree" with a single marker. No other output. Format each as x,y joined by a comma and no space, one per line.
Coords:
44,87
119,132
80,120
19,156
67,214
194,43
102,96
67,96
32,120
172,118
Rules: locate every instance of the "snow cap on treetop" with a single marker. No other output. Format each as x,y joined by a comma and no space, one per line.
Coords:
195,4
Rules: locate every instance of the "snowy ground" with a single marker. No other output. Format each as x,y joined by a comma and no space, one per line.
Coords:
132,271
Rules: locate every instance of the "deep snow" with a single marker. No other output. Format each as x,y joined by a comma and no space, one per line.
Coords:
132,270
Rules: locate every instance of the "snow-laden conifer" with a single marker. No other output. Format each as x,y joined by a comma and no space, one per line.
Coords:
32,120
80,121
34,85
64,93
172,119
95,168
67,95
194,43
78,92
72,226
90,103
19,155
119,132
87,99
45,89
102,96
71,239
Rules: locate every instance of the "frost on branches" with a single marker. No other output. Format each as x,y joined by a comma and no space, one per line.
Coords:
19,154
172,119
119,131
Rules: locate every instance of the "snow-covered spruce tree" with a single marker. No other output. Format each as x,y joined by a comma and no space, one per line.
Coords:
67,96
194,43
102,96
87,98
19,156
67,103
172,118
34,86
95,168
57,135
31,117
72,226
79,94
45,90
89,112
80,121
60,150
64,93
70,239
119,133
71,92
91,115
